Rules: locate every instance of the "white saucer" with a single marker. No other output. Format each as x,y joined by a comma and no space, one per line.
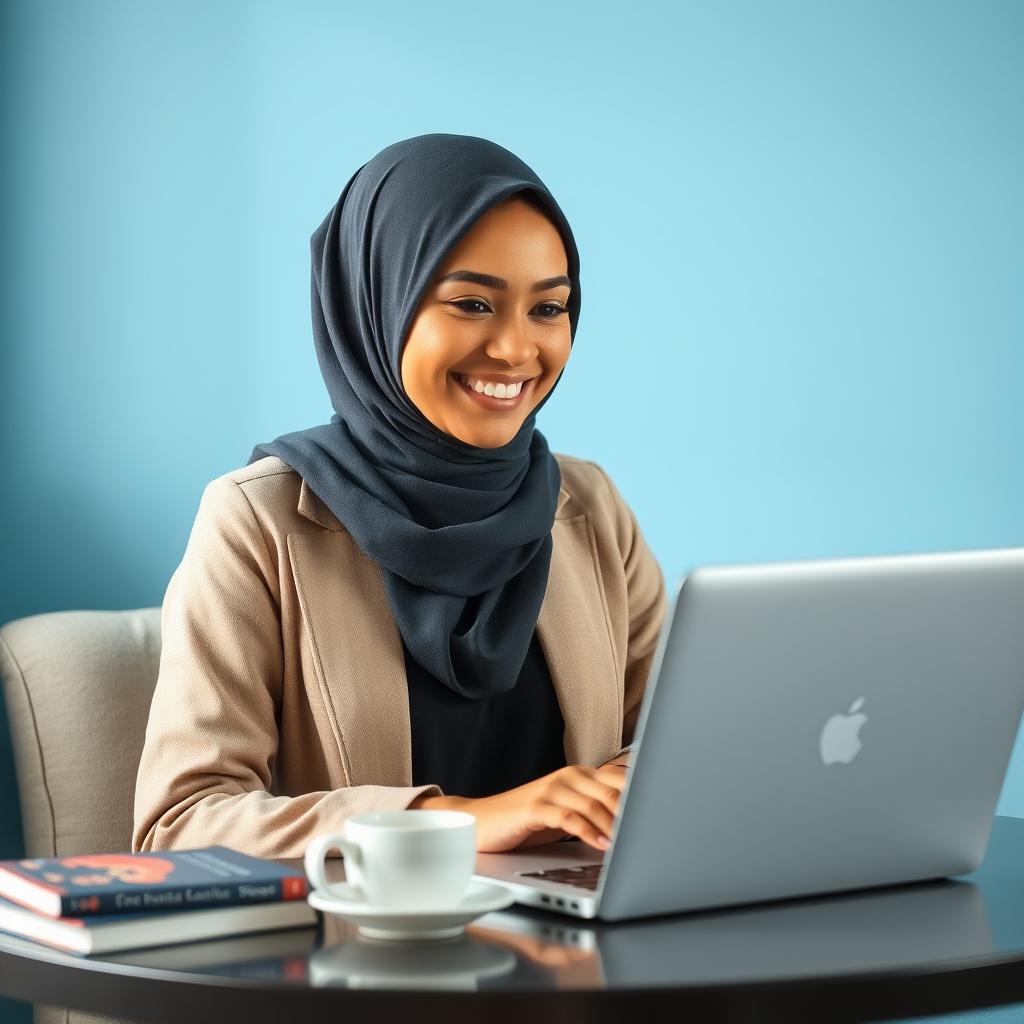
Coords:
401,923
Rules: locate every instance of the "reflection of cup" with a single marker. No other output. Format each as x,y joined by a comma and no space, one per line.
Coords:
412,859
453,964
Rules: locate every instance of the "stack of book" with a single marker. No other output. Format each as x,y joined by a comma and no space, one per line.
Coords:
101,902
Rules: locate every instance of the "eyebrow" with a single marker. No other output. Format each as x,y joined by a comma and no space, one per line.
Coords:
489,281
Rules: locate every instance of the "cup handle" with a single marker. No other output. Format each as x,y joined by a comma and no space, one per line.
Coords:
316,852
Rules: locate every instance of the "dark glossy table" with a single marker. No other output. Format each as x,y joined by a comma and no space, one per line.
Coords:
904,951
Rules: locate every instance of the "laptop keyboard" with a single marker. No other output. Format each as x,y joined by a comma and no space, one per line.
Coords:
584,876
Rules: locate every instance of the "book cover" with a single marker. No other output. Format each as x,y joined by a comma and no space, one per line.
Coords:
103,933
125,883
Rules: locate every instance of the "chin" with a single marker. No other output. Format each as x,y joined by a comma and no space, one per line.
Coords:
484,440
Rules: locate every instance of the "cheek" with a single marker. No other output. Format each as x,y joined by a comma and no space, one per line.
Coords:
419,361
440,344
556,353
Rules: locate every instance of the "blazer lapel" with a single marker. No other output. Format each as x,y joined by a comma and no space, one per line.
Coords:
357,653
575,636
357,650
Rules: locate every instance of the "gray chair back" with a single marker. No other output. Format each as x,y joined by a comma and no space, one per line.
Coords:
78,686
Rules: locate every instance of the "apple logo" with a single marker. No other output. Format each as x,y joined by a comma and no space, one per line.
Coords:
839,740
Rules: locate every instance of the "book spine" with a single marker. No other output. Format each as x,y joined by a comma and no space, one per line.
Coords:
184,897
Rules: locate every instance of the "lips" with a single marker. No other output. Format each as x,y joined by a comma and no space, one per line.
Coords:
491,402
492,378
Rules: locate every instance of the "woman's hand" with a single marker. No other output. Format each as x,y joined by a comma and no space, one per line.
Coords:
576,800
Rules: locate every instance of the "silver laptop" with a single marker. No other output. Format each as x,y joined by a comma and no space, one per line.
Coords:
807,727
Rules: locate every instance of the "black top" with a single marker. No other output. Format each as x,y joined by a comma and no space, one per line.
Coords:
477,748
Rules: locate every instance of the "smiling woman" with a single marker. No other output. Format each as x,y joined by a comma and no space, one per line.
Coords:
417,604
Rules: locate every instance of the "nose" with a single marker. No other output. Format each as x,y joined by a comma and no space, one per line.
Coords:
510,343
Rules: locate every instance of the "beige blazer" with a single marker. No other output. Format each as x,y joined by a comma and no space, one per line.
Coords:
281,705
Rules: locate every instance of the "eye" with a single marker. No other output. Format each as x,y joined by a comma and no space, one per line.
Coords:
462,303
558,310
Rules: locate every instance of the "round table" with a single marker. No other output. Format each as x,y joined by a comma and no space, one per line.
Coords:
902,951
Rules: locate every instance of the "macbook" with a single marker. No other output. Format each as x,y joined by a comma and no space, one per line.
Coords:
807,727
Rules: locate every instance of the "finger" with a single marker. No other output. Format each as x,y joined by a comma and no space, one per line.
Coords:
613,775
610,775
613,769
593,787
591,807
557,815
542,837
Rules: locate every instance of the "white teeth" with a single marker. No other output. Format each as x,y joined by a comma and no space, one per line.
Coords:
494,390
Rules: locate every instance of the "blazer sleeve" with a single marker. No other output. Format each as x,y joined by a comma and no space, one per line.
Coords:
204,777
648,606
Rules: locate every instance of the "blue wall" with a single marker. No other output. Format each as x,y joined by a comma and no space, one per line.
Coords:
801,229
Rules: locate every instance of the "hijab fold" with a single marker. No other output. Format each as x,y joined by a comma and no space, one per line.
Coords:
462,534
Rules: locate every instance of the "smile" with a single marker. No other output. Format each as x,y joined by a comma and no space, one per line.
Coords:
492,401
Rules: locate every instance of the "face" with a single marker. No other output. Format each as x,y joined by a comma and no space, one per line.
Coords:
495,313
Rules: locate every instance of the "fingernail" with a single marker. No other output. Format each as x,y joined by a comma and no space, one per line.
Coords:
604,842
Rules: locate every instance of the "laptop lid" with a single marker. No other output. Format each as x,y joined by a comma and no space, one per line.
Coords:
821,725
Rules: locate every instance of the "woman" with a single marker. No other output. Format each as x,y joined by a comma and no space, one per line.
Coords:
416,604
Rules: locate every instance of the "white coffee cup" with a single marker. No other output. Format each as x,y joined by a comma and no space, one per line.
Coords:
412,859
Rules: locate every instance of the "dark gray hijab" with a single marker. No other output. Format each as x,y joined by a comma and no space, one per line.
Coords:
463,534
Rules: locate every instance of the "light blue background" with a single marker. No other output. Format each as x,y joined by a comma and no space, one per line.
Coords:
801,233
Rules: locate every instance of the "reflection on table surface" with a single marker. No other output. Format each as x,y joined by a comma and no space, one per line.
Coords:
922,924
